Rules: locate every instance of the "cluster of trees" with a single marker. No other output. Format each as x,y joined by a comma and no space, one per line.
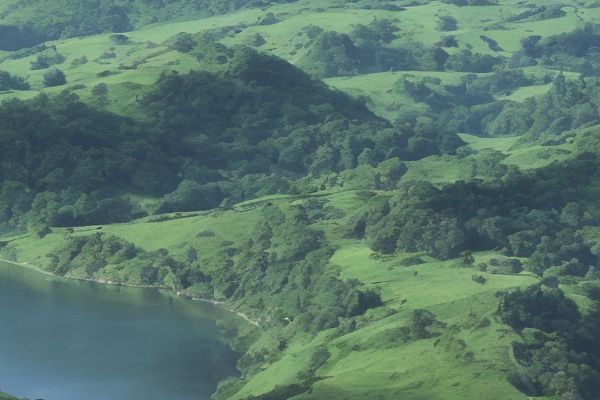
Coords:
282,274
538,13
92,252
104,256
570,104
504,266
472,2
54,77
14,37
12,82
381,46
472,90
559,350
47,58
282,277
467,61
263,116
574,51
535,215
422,324
471,107
375,48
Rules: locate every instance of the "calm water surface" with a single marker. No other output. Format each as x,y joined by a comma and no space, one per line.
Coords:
65,340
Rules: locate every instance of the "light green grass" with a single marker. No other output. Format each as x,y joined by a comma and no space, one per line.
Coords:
477,143
425,369
526,92
536,156
438,169
524,156
380,92
417,23
418,286
437,368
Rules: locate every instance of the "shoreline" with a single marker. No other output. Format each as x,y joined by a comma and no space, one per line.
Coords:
215,303
231,310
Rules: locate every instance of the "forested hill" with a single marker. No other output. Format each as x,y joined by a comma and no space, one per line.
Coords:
254,128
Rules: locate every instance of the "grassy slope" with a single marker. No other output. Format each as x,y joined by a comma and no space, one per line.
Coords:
522,157
283,40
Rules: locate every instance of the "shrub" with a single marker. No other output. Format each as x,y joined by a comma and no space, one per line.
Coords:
183,42
54,77
119,39
148,275
447,23
47,59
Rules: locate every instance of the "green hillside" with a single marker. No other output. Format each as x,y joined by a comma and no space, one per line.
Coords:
363,349
399,197
34,22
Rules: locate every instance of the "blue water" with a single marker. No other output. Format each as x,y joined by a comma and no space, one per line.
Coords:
63,340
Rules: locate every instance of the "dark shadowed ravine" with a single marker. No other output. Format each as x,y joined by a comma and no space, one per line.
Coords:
67,340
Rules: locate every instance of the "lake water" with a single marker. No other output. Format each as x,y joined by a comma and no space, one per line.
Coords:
66,340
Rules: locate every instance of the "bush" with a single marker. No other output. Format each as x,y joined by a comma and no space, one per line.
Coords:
79,61
183,42
54,77
148,275
447,23
47,59
424,325
119,39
